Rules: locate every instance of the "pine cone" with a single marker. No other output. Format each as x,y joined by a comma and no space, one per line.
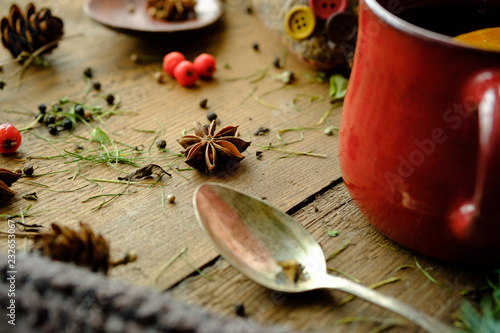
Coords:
31,31
83,248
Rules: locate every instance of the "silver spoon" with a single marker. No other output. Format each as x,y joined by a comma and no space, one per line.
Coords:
257,238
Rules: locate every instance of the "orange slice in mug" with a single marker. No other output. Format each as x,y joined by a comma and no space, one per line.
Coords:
488,39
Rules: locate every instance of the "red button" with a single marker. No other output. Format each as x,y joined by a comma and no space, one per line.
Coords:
341,27
324,8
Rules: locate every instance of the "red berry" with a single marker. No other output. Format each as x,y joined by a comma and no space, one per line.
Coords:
10,138
205,64
171,60
185,73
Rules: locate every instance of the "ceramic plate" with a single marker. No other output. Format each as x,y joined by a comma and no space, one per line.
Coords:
116,14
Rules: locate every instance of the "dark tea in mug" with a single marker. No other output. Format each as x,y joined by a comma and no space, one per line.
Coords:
451,18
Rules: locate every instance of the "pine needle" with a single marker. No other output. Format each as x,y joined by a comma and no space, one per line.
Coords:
338,251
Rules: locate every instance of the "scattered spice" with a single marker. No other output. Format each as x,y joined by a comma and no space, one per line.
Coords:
258,154
255,46
292,269
88,72
161,144
148,171
239,310
110,99
30,196
249,10
209,151
97,86
28,170
203,103
277,62
261,131
171,198
211,116
83,247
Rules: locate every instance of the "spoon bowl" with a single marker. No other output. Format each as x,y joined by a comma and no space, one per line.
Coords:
257,239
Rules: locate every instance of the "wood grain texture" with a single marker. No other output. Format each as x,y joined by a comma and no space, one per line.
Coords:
369,257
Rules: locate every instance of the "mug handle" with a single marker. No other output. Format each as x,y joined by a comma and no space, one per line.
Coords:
478,221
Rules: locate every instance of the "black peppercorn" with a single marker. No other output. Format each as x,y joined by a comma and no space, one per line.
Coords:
28,170
42,108
110,98
50,119
79,110
97,86
52,129
88,72
203,103
211,116
67,124
239,309
161,144
277,62
258,154
255,46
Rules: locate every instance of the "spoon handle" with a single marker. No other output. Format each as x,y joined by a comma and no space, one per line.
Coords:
423,320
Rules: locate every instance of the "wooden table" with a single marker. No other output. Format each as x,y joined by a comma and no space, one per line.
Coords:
243,92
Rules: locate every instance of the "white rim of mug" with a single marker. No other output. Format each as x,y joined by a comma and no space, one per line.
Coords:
417,31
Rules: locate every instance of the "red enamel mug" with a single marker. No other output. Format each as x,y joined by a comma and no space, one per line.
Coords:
420,136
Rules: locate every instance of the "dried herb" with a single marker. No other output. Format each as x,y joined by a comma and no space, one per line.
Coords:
148,171
30,196
209,151
261,131
292,269
83,247
332,233
338,87
338,271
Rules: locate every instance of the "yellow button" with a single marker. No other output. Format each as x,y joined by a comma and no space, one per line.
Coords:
300,22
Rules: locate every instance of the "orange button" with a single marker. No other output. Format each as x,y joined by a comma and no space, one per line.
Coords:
300,22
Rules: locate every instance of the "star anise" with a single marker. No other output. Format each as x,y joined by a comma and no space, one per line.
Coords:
209,151
172,10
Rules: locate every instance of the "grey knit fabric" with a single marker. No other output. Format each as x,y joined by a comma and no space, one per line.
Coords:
57,297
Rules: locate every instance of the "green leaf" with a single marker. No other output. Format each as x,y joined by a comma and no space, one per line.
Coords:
332,233
98,135
338,87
